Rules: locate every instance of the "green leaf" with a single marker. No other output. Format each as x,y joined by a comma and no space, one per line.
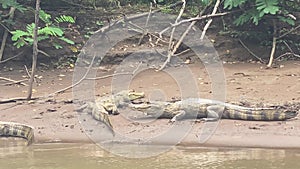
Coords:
30,28
18,34
99,23
247,16
57,46
19,43
267,6
288,20
12,3
40,38
45,17
233,3
205,2
67,40
49,30
28,39
64,18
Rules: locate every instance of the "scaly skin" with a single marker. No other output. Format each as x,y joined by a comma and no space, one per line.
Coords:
109,105
210,110
10,129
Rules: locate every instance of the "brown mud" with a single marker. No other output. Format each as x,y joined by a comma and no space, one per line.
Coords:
250,84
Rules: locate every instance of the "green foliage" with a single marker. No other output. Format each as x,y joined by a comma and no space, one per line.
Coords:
46,18
229,4
12,3
264,14
289,21
267,7
50,31
64,18
205,2
255,11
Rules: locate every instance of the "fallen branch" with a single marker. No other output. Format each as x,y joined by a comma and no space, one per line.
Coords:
11,57
273,45
210,20
121,22
145,32
107,76
115,74
287,45
196,19
44,53
14,81
290,31
17,82
28,74
26,69
193,21
170,50
77,83
142,31
15,99
288,53
180,53
253,54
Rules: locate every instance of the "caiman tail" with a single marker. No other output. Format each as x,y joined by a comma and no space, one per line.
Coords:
10,129
259,115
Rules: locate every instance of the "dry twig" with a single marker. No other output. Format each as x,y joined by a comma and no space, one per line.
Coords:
11,57
116,74
210,20
15,99
77,83
17,82
253,54
145,32
197,18
172,49
288,53
14,81
273,44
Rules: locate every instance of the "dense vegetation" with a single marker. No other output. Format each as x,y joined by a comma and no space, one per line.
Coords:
273,23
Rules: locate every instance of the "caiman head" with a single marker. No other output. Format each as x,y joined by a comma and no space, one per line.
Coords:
127,96
151,109
120,99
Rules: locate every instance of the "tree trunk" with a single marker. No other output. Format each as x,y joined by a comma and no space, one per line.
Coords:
35,48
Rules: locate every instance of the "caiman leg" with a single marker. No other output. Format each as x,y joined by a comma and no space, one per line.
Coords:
179,116
99,113
213,113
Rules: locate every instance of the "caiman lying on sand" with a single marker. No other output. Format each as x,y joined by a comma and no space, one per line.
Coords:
102,107
10,129
209,110
99,111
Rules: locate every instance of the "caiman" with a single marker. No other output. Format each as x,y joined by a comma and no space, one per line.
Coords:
103,106
10,129
210,110
99,111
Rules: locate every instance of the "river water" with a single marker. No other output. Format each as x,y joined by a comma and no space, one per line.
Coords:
90,156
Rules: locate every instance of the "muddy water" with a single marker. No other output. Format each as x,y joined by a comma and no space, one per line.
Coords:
89,156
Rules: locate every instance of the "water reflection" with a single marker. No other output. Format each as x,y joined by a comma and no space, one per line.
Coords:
78,156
